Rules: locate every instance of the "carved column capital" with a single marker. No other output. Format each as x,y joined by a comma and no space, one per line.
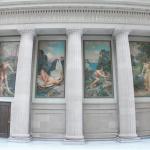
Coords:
119,31
27,30
74,30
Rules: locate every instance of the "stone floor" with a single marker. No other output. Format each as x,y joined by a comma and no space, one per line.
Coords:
142,144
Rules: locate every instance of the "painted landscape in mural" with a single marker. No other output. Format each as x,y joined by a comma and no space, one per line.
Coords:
98,71
8,66
50,69
140,57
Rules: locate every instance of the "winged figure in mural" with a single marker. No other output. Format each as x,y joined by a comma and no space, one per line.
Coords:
4,66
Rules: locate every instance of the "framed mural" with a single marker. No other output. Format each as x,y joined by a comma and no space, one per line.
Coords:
8,67
50,69
97,69
140,58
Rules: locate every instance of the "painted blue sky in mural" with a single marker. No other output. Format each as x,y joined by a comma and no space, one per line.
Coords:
53,48
92,49
8,49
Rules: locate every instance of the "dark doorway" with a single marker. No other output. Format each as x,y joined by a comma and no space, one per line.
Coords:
4,119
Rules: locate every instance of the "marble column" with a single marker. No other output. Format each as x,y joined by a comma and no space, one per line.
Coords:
74,86
20,108
127,116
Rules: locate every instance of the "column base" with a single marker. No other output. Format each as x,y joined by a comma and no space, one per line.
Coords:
128,138
74,140
145,137
25,138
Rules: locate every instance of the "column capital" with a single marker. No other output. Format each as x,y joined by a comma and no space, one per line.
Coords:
119,31
72,30
27,30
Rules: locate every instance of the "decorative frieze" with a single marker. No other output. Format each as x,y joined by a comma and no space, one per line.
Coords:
74,14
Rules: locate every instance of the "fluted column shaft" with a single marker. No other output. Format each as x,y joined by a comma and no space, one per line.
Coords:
74,86
20,109
127,117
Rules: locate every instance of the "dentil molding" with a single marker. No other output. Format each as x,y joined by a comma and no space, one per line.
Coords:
74,14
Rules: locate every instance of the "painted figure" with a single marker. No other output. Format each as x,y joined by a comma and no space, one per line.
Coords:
140,57
4,79
46,76
98,80
46,80
50,74
99,75
146,73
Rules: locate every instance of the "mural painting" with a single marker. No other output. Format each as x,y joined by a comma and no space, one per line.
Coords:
50,69
8,66
98,69
140,58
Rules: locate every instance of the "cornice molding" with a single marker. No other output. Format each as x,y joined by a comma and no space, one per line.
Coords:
75,9
129,3
75,14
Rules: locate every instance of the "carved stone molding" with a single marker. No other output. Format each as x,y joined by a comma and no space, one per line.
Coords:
118,31
27,29
73,14
72,9
71,30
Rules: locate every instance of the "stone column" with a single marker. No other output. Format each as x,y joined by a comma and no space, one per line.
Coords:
127,116
74,86
20,108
